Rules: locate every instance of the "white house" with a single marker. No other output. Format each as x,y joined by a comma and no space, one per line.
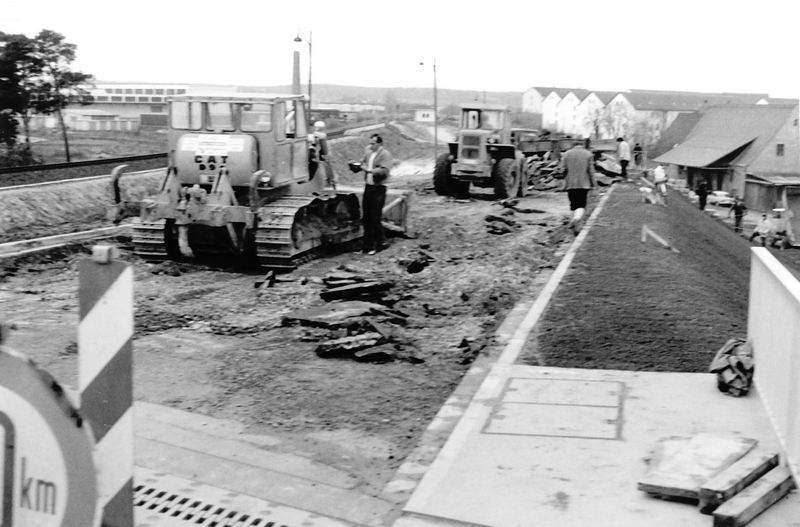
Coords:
550,109
567,120
424,115
533,98
590,114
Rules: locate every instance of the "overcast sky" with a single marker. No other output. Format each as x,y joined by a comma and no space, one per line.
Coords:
699,45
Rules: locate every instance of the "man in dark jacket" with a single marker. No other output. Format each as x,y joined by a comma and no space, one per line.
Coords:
702,193
376,165
578,165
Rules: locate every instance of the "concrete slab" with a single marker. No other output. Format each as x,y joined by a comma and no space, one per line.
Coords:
215,453
504,466
163,500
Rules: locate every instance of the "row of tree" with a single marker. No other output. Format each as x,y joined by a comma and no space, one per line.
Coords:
36,78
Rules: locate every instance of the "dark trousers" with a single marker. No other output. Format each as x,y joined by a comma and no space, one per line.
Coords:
374,200
737,225
624,165
702,203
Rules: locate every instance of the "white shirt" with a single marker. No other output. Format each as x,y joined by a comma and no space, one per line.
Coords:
624,151
370,164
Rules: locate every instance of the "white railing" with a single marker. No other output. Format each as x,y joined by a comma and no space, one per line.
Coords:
773,327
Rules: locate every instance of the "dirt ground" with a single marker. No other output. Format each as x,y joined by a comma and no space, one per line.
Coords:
208,341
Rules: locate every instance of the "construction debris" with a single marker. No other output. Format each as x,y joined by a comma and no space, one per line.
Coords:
734,367
736,478
646,231
682,473
350,314
755,499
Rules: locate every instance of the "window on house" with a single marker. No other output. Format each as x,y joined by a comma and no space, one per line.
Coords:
118,90
128,90
159,92
149,91
156,109
779,149
170,92
138,91
144,99
116,98
130,99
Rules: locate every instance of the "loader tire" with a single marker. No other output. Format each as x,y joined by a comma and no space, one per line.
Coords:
442,181
506,178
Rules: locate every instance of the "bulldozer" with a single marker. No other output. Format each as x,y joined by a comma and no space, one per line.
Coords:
483,155
242,180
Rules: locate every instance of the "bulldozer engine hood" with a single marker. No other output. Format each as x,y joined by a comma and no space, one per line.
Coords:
200,157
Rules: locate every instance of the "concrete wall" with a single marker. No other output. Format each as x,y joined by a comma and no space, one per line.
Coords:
76,201
773,327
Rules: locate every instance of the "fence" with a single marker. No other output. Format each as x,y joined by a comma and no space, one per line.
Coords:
773,327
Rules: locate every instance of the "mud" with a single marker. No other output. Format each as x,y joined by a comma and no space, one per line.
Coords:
208,341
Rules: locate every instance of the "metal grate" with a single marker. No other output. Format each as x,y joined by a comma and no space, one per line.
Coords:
194,511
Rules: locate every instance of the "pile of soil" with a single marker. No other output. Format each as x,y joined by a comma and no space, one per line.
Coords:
629,305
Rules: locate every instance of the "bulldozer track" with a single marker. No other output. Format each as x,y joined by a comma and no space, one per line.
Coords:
296,230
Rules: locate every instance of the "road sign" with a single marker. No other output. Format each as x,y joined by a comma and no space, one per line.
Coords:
48,475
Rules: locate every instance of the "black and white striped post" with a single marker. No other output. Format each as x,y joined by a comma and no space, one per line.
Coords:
105,374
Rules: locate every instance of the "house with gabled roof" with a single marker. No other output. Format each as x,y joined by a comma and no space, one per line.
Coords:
675,134
732,144
589,114
660,108
551,110
567,110
533,97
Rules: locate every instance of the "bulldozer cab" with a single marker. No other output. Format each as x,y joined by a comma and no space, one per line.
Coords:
241,133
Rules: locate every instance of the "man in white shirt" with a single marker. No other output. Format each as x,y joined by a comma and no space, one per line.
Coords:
376,165
623,155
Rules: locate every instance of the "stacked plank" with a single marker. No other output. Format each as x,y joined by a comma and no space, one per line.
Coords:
726,476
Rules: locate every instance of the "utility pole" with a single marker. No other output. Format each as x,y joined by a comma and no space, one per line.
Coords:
435,117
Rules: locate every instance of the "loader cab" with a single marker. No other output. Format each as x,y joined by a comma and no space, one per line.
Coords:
242,133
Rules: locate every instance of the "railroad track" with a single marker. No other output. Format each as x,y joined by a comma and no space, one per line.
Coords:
80,170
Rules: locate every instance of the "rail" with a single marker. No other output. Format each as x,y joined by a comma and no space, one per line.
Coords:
772,328
76,164
114,160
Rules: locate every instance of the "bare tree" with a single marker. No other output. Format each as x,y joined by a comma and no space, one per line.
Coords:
594,120
618,119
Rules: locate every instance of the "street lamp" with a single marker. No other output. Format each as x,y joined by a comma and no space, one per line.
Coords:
435,114
300,38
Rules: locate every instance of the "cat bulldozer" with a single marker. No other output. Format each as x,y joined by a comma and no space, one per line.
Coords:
483,155
241,181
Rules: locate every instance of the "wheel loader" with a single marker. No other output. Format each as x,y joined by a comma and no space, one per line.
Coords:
241,181
483,155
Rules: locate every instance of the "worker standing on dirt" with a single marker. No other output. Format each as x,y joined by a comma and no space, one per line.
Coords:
376,165
637,155
660,179
623,156
762,230
738,209
702,194
578,168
